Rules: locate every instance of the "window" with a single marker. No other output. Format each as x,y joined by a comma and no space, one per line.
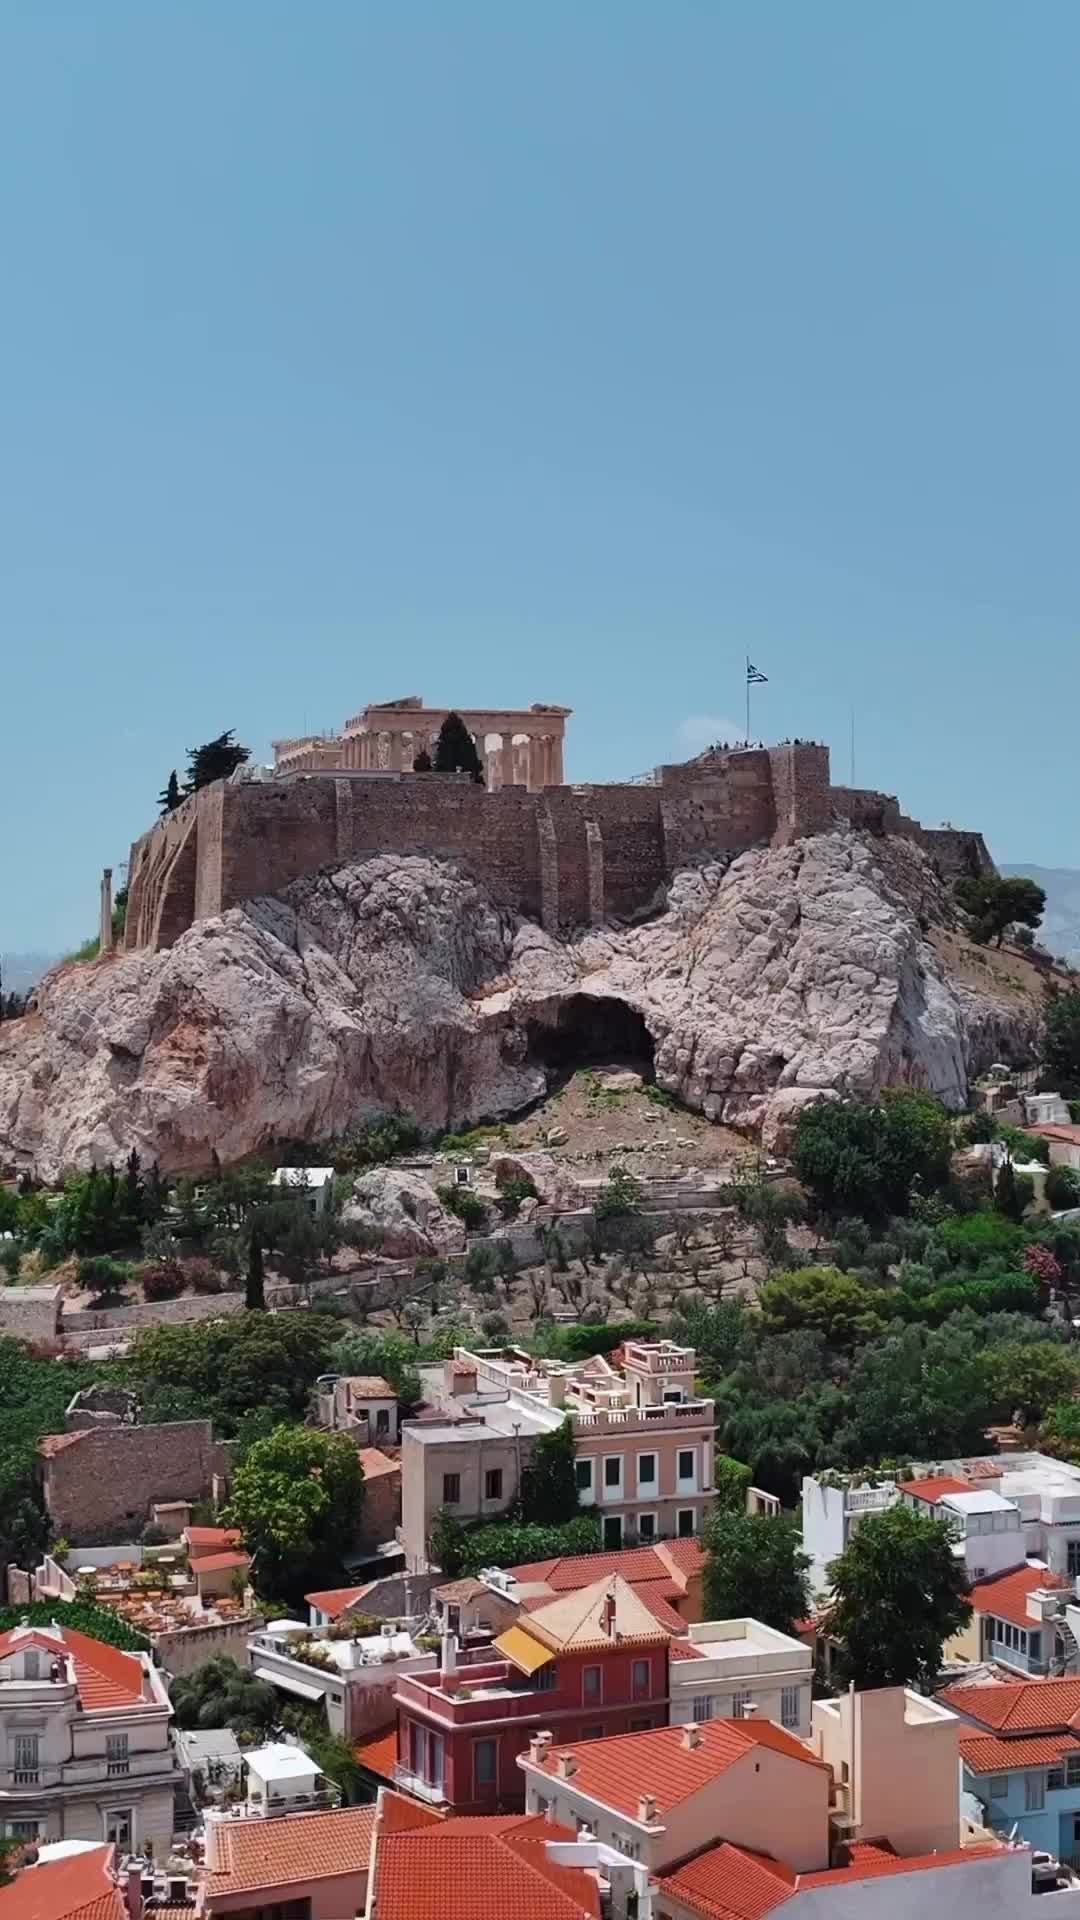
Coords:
701,1707
542,1805
1055,1779
463,1176
686,1522
116,1753
592,1733
583,1471
686,1464
646,1526
1073,1562
451,1489
739,1703
1072,1769
484,1763
1034,1792
493,1483
23,1829
646,1470
120,1828
613,1472
546,1679
382,1419
641,1680
790,1702
1034,1646
641,1726
612,1531
32,1664
591,1682
998,1788
26,1747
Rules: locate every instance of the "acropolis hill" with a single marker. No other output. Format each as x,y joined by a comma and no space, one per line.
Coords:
563,855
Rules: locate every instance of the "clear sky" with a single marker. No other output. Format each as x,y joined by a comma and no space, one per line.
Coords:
507,352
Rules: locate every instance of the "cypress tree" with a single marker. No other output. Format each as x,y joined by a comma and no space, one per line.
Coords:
254,1294
170,796
455,751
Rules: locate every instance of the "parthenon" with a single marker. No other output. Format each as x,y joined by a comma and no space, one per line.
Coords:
518,747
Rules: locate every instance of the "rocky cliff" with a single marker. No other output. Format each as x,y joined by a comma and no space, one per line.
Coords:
796,972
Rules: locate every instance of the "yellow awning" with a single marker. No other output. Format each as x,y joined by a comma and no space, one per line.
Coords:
525,1652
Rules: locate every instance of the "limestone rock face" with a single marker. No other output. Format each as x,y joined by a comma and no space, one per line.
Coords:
795,973
407,1212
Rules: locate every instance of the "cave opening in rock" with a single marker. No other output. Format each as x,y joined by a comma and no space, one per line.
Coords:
587,1032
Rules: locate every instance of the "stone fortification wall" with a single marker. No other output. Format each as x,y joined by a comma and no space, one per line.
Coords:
99,1484
565,856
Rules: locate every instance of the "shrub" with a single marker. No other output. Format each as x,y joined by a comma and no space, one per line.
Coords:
163,1281
465,1204
202,1276
102,1277
153,1536
512,1193
376,1142
1062,1188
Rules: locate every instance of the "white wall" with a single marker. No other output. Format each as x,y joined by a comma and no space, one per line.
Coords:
976,1890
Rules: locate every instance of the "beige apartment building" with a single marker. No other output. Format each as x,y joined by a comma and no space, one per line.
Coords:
84,1742
643,1442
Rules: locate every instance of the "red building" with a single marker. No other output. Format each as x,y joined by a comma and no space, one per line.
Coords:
591,1663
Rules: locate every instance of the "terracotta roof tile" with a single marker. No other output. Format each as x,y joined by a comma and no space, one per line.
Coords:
370,1386
618,1770
574,1621
104,1675
378,1751
730,1883
398,1813
635,1564
868,1863
1006,1595
989,1753
480,1869
56,1442
202,1540
262,1854
77,1888
220,1562
933,1488
660,1606
335,1600
683,1650
376,1463
1026,1706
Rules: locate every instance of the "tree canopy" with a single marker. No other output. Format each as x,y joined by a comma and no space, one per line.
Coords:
899,1594
455,749
865,1160
297,1497
549,1482
221,1369
994,904
1061,1036
214,760
754,1567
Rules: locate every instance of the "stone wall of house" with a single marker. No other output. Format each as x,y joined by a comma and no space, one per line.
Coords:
100,1484
30,1313
566,856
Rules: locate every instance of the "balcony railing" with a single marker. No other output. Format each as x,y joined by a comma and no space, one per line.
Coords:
26,1776
117,1767
430,1790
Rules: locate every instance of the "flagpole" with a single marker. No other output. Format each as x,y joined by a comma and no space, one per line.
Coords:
748,699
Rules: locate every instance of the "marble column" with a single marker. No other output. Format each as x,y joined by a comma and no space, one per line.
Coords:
506,760
395,752
556,760
536,770
105,938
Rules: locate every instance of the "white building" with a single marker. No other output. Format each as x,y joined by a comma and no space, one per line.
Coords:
832,1509
355,1678
738,1666
316,1182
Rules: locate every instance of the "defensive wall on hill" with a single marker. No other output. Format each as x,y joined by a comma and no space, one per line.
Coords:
564,855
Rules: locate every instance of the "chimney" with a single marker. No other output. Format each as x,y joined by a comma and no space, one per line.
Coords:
749,1711
691,1735
567,1765
214,1855
133,1890
607,1617
646,1809
448,1659
539,1747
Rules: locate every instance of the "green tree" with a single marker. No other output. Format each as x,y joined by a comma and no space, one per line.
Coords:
297,1499
422,761
1062,1188
994,904
731,1479
379,1353
1032,1376
254,1290
455,749
822,1298
170,796
899,1594
1060,1431
549,1492
101,1623
866,1160
754,1567
1061,1036
214,760
219,1693
1013,1192
447,1544
222,1368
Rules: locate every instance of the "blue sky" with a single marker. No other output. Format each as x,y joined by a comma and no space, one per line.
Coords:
510,353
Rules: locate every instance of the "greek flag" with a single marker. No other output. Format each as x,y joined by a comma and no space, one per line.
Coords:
753,677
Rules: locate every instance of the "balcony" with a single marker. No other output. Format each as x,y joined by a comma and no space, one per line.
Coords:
115,1768
26,1776
423,1789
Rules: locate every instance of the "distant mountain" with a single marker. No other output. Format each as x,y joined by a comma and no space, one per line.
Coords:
1060,930
21,971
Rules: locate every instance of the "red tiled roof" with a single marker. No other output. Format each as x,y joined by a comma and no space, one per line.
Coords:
335,1600
378,1751
262,1854
658,1606
1006,1594
203,1540
683,1650
220,1562
1025,1706
870,1862
688,1555
398,1813
635,1564
370,1386
104,1676
933,1488
376,1463
56,1442
618,1770
480,1869
988,1753
730,1883
1057,1130
76,1888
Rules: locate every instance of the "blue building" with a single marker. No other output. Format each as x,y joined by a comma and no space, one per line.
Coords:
1020,1757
